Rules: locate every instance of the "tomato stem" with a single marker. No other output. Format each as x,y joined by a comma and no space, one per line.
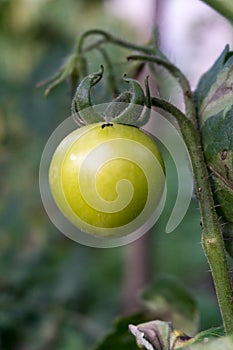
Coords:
107,37
212,239
180,78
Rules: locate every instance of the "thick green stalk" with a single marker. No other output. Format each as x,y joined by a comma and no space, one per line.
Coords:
211,234
225,7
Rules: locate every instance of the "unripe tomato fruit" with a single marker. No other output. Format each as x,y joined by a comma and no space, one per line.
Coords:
107,179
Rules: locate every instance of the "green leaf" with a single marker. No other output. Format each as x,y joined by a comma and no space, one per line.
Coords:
219,97
214,99
209,78
171,302
217,139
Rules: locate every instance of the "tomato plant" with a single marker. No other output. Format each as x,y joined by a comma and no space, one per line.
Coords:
83,188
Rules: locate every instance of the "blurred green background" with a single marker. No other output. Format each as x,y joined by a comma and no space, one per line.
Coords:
55,293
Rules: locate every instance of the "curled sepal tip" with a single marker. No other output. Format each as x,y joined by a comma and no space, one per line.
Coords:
82,108
132,112
125,109
137,91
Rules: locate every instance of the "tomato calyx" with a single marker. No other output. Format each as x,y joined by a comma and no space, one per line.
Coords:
127,108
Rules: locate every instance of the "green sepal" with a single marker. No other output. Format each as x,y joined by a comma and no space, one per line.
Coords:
125,109
133,110
117,106
81,108
74,65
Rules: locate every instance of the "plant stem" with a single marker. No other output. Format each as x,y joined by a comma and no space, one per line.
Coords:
113,40
212,240
225,7
180,78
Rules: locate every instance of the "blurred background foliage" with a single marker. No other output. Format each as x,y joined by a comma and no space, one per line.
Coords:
55,293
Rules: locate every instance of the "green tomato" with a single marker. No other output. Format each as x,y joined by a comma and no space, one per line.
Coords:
107,179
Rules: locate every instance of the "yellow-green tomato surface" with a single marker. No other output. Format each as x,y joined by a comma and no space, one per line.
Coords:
107,179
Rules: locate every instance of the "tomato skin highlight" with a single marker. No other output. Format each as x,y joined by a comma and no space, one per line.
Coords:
107,178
